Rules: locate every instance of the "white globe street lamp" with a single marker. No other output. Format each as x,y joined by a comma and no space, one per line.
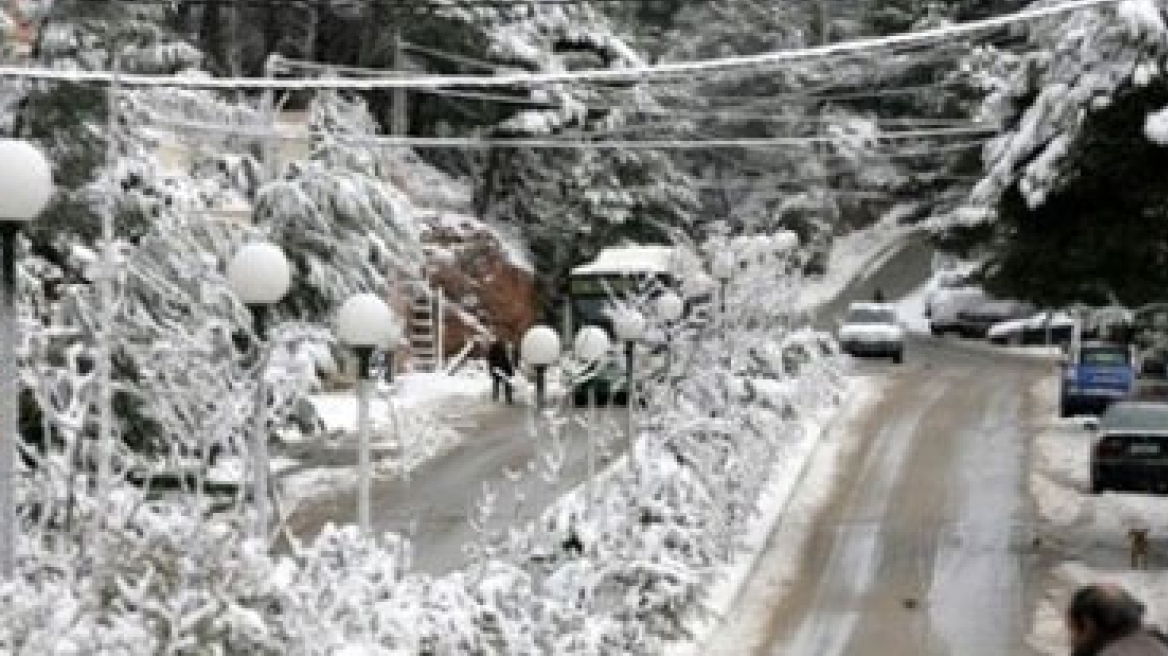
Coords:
670,309
698,284
629,326
27,187
591,345
365,323
722,267
540,348
259,274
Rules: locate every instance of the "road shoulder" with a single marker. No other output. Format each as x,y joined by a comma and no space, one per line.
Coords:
1083,537
758,581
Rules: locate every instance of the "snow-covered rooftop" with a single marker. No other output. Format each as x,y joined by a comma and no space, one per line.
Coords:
631,259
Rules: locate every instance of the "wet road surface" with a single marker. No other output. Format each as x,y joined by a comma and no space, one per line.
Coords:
924,546
526,469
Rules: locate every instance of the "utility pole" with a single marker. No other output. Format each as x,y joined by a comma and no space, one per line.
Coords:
824,22
399,119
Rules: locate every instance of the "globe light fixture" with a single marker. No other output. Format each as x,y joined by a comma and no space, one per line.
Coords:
26,185
540,348
591,343
28,181
366,323
698,284
260,276
629,326
669,307
722,265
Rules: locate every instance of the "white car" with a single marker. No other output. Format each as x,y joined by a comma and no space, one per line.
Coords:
872,330
945,305
1058,327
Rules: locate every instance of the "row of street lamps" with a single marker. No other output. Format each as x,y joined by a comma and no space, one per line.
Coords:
260,276
541,348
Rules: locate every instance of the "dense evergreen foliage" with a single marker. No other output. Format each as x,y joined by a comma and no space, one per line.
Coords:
1103,235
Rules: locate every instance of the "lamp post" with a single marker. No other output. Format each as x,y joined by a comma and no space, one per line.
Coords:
669,307
590,346
365,323
540,348
629,326
28,185
260,277
722,267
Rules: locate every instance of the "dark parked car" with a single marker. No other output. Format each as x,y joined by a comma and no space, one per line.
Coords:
975,321
1131,451
606,386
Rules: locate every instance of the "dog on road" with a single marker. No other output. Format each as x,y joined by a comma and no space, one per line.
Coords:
1140,547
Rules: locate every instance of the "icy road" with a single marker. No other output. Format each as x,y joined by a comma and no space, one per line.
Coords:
434,504
923,545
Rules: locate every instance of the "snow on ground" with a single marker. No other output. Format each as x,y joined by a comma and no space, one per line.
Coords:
408,392
1086,534
911,310
855,256
414,420
801,483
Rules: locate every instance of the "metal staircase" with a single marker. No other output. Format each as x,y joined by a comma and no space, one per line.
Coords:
424,327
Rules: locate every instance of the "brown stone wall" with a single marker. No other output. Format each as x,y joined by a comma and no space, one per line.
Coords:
483,288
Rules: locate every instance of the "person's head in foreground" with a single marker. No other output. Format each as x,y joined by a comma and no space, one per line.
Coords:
1104,620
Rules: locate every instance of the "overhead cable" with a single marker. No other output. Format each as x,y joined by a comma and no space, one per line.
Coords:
631,74
551,142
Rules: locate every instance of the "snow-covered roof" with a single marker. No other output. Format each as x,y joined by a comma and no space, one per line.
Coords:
871,307
630,259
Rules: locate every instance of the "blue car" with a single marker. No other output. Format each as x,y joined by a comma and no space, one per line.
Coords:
1096,375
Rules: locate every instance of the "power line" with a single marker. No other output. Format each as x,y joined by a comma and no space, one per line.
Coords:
428,5
632,74
463,143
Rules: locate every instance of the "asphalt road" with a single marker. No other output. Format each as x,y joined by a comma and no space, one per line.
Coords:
896,275
919,540
925,545
524,467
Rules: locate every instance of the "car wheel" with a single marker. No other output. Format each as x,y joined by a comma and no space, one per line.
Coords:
1097,486
1065,409
898,357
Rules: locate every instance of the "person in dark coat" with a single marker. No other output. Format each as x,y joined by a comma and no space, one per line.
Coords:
502,370
1104,620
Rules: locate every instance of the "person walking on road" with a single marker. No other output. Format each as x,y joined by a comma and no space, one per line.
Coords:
1104,620
502,370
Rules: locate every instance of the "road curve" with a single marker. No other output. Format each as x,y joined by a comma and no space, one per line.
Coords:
501,449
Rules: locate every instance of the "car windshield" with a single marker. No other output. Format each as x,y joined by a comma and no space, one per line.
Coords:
1104,356
871,315
1135,417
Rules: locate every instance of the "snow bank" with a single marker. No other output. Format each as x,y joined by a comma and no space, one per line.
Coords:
1086,534
792,476
414,391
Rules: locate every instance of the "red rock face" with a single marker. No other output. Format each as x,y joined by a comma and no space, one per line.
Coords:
487,294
